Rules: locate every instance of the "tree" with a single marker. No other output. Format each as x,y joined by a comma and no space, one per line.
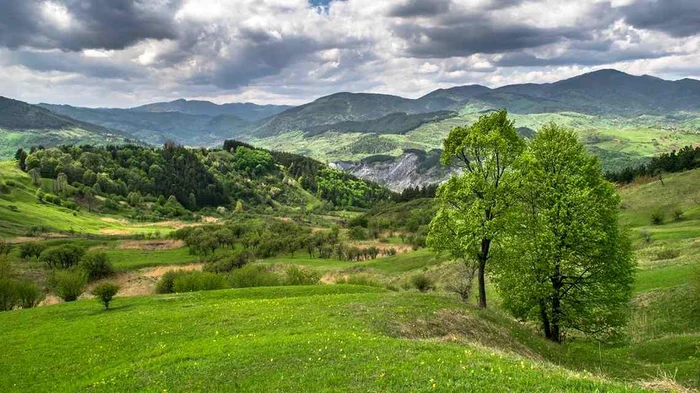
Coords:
473,206
21,157
570,267
105,292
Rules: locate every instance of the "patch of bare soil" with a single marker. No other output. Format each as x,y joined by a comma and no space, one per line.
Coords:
115,220
45,236
400,248
151,245
137,283
111,231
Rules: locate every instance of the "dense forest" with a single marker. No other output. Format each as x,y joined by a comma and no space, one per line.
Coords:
684,159
173,180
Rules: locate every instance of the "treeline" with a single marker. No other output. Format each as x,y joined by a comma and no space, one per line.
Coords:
684,159
190,178
228,247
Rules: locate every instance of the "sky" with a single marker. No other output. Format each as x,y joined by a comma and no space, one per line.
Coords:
123,53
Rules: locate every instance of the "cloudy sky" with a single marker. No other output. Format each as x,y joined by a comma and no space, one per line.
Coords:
128,52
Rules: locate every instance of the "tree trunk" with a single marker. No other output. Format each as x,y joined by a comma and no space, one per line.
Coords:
483,257
545,321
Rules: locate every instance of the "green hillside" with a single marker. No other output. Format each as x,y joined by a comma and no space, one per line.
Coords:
318,338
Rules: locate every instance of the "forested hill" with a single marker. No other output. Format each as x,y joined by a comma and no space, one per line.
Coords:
175,180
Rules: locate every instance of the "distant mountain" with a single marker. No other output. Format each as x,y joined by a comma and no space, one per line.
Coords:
159,127
246,111
26,125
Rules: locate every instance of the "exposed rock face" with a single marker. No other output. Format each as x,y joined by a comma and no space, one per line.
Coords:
414,168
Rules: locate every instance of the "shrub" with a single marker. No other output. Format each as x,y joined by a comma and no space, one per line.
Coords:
165,284
646,235
31,250
29,295
252,276
299,276
198,281
63,256
359,279
8,293
105,292
225,262
658,217
677,214
5,247
68,284
96,265
357,233
422,282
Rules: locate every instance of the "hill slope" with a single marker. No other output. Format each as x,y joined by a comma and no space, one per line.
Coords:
22,124
246,111
316,338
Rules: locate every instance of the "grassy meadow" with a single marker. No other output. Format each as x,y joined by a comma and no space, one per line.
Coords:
383,335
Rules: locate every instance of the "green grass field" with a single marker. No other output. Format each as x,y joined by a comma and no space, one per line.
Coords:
318,338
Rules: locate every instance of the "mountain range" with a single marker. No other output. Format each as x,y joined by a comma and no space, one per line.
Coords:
337,127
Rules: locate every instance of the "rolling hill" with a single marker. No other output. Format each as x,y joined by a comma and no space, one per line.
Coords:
246,111
25,125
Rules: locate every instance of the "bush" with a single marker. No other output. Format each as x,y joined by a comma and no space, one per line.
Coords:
68,284
252,276
225,262
198,281
359,279
96,265
29,295
5,247
357,233
63,256
31,250
105,292
299,276
422,282
658,217
677,214
8,294
165,284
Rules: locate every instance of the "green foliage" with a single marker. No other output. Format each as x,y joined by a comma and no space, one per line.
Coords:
422,282
570,266
64,256
29,294
357,233
165,284
473,210
296,275
31,250
254,162
104,293
5,247
228,261
68,284
253,276
658,217
96,265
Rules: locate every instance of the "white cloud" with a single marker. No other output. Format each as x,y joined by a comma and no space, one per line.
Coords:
286,51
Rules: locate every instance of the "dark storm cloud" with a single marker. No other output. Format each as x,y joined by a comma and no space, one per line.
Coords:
413,8
95,24
575,57
678,18
479,36
67,62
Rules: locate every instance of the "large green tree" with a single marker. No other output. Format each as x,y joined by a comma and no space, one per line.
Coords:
473,206
570,266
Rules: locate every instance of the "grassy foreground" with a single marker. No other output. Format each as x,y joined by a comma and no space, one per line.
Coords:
314,338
